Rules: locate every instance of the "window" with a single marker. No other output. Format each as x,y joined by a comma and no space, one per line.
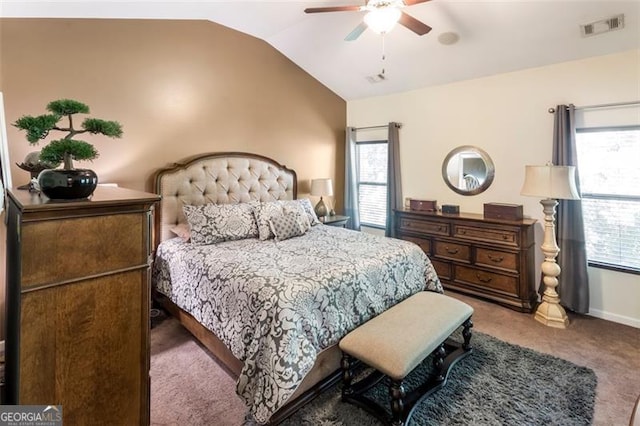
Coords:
609,172
372,182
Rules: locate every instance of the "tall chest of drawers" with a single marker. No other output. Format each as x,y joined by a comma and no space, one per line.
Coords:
78,296
489,258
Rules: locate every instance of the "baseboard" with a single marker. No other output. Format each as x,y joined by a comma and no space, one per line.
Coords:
621,319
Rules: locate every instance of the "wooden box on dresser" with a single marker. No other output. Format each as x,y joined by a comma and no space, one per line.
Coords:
490,258
78,299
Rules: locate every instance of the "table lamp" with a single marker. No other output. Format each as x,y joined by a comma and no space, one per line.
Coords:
321,187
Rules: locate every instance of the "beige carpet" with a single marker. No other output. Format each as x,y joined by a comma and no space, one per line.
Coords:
189,388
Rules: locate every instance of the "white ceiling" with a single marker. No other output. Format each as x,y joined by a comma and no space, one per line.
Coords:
496,36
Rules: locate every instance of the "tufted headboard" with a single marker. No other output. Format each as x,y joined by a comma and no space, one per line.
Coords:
225,177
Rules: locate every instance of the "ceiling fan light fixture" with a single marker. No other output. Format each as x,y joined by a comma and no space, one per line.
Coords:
383,19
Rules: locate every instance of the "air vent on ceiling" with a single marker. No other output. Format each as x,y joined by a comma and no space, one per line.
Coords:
602,26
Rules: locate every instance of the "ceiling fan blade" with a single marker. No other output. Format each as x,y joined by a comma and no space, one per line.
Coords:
332,9
356,32
412,2
413,24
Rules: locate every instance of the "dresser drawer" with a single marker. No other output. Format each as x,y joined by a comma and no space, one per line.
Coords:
61,250
425,245
495,281
426,226
443,269
502,236
477,255
496,259
453,251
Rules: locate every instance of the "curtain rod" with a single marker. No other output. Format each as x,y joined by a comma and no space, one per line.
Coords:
376,127
372,127
615,104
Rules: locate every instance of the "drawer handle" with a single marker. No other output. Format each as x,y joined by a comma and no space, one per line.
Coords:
505,237
496,259
441,228
483,279
451,251
462,231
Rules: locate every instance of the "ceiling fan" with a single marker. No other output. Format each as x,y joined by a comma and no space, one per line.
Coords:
381,16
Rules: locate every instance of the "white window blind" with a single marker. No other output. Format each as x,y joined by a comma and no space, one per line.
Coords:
609,172
372,182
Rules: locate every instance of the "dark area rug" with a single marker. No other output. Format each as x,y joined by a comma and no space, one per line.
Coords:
498,384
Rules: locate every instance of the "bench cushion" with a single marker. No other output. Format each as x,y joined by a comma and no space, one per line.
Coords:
399,339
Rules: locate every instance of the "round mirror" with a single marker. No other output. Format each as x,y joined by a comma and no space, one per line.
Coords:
468,170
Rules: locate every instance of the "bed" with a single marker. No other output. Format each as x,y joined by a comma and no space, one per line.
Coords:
272,310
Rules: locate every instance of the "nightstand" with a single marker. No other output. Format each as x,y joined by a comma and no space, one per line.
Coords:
335,220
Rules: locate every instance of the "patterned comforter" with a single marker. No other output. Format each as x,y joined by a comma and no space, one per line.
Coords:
278,304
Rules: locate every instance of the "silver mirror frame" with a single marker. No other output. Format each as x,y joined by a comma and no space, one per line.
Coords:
487,162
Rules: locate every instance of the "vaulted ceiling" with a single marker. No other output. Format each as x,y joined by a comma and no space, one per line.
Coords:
493,36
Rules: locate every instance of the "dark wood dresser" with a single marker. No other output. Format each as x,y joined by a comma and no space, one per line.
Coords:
490,258
78,299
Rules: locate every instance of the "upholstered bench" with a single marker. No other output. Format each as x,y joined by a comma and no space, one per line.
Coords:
397,341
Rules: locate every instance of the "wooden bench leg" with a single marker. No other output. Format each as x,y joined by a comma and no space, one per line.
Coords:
397,392
347,376
438,362
466,333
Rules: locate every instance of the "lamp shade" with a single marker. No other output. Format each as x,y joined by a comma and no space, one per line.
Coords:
320,187
382,20
557,182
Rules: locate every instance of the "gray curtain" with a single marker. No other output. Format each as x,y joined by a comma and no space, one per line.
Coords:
572,259
350,177
394,181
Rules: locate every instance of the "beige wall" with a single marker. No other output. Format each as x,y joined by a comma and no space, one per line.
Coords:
506,115
178,88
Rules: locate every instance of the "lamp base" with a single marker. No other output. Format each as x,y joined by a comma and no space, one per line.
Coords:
552,315
549,312
321,209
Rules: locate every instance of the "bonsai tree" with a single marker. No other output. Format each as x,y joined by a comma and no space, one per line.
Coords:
66,149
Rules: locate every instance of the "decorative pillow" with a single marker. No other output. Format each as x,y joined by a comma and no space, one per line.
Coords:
288,225
263,212
182,230
236,221
213,223
293,207
307,207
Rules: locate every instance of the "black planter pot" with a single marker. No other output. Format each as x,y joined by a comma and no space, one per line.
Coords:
60,184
